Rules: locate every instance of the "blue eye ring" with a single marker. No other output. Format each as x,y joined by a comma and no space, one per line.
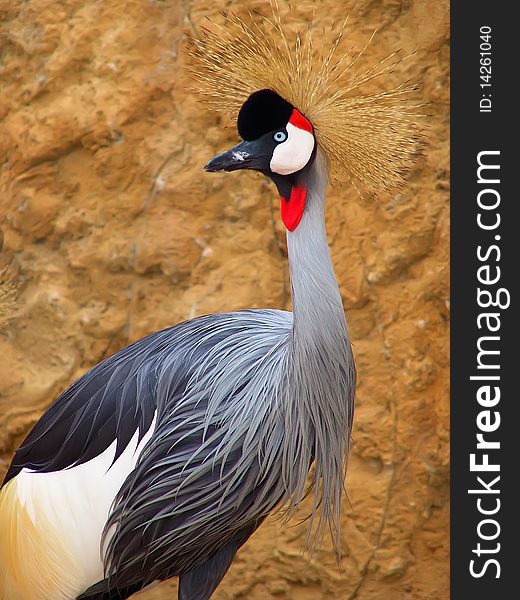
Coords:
279,136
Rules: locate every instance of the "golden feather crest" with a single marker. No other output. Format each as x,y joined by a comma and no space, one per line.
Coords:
8,294
370,139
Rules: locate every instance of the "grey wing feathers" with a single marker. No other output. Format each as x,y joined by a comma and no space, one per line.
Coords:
197,584
206,476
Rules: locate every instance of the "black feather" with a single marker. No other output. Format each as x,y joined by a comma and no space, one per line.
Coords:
201,582
262,112
102,591
100,407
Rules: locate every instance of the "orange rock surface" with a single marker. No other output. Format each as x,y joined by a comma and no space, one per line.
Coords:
112,230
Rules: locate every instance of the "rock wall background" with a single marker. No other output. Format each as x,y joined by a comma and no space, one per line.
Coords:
112,230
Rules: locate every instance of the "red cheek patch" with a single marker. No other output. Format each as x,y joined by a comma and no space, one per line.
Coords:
292,209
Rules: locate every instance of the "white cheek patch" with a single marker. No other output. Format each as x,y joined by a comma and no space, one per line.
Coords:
293,154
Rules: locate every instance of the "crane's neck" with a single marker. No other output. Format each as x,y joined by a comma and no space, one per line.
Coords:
319,393
317,306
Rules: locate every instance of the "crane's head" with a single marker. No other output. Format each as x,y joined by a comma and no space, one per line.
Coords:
291,94
279,142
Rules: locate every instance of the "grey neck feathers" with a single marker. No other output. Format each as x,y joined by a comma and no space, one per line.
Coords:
317,306
321,371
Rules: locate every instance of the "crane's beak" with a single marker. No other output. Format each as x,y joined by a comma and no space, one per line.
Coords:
246,155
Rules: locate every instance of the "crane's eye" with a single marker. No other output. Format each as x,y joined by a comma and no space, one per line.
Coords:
280,136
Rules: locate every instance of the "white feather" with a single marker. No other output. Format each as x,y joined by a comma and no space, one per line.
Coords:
76,502
294,153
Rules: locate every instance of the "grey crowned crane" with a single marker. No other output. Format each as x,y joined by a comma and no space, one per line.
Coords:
163,459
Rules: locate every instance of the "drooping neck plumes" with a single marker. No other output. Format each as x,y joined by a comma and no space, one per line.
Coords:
320,369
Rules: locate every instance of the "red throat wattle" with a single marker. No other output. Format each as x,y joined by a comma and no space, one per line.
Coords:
292,209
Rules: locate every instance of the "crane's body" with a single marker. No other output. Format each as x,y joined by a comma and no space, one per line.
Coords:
163,459
178,446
